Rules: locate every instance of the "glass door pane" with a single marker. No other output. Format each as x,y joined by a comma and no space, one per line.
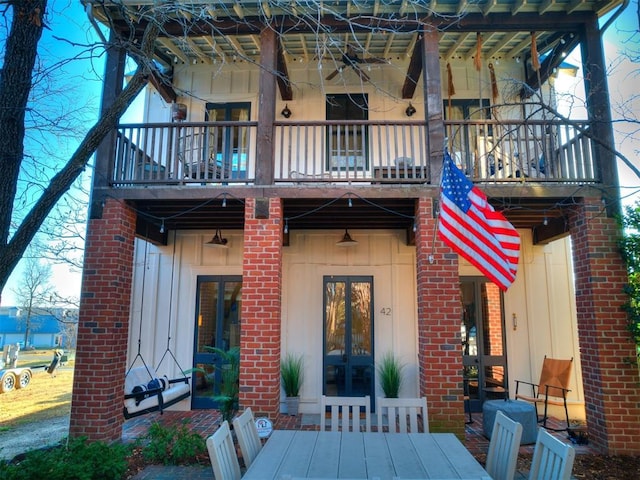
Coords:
348,336
227,145
482,331
218,305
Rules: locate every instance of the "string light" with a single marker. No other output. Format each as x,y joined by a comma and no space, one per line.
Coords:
162,227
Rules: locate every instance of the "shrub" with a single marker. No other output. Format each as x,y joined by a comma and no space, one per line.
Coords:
79,460
172,445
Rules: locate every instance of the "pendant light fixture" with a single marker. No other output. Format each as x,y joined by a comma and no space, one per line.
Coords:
217,241
347,241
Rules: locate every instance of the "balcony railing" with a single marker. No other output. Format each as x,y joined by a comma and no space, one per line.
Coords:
352,152
536,150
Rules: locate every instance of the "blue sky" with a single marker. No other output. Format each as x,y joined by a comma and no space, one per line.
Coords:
69,29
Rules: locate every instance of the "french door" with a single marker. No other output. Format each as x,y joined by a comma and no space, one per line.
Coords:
483,342
348,368
347,144
218,303
228,145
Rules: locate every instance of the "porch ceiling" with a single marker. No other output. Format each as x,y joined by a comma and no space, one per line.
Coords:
332,213
317,33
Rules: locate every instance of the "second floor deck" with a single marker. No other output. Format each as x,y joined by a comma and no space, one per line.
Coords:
352,153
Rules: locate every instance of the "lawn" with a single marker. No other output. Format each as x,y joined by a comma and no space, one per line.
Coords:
44,398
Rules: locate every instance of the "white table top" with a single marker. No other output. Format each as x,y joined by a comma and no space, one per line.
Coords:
354,455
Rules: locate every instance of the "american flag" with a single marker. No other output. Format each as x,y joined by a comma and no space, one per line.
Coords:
472,228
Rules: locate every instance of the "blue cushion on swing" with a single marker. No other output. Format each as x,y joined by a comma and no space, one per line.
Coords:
154,384
138,381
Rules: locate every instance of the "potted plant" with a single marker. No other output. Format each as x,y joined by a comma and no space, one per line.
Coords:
291,369
390,375
229,386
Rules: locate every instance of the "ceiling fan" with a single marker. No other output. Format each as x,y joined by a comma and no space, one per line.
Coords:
351,59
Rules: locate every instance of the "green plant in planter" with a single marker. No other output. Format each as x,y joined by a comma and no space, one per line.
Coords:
390,375
291,369
229,386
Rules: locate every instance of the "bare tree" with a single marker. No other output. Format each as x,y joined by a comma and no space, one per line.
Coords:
31,186
33,294
20,72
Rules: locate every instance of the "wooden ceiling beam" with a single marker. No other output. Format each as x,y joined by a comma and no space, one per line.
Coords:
413,72
472,22
163,86
557,55
284,82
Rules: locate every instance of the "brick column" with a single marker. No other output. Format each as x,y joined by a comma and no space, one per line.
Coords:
103,325
439,312
261,307
610,381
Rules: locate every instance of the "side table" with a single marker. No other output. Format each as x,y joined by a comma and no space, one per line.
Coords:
522,412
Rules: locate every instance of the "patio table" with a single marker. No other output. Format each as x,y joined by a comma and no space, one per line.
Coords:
358,455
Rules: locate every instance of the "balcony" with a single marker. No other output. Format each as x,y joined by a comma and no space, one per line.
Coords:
351,153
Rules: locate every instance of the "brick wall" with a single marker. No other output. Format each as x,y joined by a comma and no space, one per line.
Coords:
261,310
612,396
103,326
439,313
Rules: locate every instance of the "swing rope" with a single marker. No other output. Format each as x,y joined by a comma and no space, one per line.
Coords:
168,349
139,355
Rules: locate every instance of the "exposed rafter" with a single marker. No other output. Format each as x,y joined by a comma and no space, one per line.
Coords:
546,6
175,51
518,6
454,48
198,52
501,44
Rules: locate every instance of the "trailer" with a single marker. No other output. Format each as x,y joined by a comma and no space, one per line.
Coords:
12,376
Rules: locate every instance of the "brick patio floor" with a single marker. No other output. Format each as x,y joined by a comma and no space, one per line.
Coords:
205,422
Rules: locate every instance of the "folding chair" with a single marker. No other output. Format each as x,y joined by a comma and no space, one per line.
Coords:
403,414
345,413
552,388
503,448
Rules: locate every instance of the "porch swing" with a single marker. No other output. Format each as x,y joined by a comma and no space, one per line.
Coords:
144,390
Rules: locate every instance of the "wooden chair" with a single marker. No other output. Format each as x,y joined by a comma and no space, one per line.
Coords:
345,413
403,414
552,459
503,448
222,454
552,388
247,435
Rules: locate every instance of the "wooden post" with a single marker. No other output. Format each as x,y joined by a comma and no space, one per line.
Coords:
432,86
266,106
599,111
105,153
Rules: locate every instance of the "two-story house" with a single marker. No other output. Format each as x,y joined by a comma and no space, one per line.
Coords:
282,193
